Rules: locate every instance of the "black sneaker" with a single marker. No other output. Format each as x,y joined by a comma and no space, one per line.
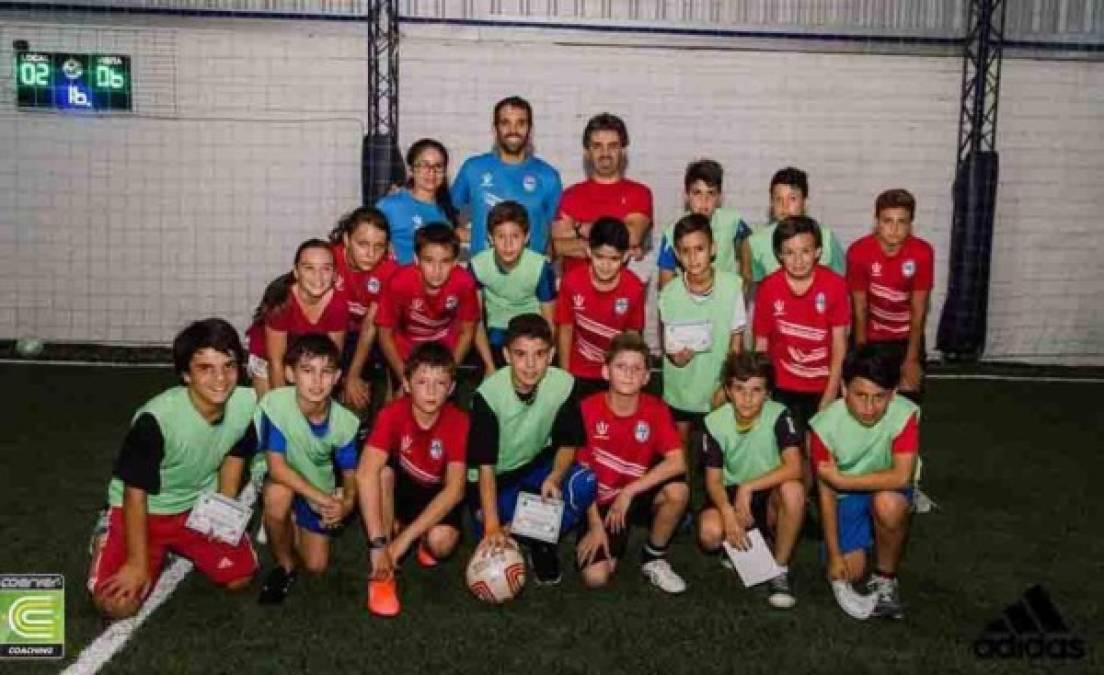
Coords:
545,561
276,586
889,597
780,592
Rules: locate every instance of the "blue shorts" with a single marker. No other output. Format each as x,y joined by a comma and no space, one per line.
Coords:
855,522
579,489
306,518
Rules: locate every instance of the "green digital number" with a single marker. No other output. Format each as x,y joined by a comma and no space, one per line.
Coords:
34,74
107,78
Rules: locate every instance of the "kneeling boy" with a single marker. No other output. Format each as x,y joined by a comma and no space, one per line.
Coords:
633,448
411,475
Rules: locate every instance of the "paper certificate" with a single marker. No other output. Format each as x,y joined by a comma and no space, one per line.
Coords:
537,518
696,335
219,517
756,564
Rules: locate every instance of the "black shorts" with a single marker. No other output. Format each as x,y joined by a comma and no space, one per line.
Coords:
802,405
694,419
639,515
412,497
894,351
760,501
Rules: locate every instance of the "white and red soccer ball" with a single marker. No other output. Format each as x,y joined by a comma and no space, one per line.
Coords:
496,575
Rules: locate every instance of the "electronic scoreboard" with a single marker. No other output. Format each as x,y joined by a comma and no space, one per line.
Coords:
72,81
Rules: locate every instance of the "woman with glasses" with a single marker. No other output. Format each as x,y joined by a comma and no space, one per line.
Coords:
423,200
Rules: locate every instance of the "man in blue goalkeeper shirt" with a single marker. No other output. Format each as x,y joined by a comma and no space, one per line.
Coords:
509,172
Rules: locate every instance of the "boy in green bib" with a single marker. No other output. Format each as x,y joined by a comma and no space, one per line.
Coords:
305,434
789,191
753,470
512,280
703,182
189,440
705,306
865,447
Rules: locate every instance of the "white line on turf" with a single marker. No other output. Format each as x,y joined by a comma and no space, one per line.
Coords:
98,364
98,652
1013,378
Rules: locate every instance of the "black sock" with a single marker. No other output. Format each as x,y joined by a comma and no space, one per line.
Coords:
652,552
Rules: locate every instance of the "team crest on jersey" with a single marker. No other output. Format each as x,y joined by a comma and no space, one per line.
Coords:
821,303
779,308
488,180
876,270
417,221
908,268
620,305
372,285
451,302
578,300
405,442
417,305
642,431
601,430
436,450
529,182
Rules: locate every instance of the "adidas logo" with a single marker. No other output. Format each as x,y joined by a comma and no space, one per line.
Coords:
1031,629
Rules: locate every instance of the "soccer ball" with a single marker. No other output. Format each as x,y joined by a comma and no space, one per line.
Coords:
496,576
29,347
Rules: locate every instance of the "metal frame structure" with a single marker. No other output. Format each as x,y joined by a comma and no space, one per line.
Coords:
380,149
981,71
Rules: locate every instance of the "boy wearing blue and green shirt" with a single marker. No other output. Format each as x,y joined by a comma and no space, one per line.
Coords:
512,280
865,448
305,435
703,181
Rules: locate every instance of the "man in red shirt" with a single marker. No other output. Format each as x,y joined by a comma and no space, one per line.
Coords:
801,317
890,275
634,450
597,302
431,300
410,479
606,192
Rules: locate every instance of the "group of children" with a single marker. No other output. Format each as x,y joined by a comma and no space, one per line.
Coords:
755,423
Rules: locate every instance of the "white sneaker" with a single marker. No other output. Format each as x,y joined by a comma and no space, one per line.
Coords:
659,574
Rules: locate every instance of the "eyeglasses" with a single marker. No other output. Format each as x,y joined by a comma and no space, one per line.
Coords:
428,168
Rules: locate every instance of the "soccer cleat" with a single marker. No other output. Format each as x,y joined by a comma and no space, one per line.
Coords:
889,597
658,572
545,561
780,593
425,558
383,597
276,586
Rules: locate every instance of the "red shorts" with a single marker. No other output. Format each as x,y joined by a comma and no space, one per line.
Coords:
219,562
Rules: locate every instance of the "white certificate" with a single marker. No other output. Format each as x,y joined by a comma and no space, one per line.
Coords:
537,518
696,335
219,517
756,564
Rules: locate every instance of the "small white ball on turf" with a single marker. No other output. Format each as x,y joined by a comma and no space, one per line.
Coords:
29,346
496,576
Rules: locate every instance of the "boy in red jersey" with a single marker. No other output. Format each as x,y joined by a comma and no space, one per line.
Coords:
635,452
605,193
890,275
432,300
801,317
363,264
411,475
596,303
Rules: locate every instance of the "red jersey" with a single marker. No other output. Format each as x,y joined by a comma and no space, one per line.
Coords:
423,454
905,443
290,319
362,289
798,328
417,315
590,200
889,282
597,317
619,450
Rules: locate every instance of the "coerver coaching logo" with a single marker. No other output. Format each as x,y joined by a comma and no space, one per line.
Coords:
32,616
1031,629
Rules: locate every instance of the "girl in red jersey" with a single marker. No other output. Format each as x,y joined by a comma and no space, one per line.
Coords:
299,302
361,244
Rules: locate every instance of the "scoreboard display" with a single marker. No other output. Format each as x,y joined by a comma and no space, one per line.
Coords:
72,81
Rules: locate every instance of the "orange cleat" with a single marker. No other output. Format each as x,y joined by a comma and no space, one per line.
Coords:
425,558
383,597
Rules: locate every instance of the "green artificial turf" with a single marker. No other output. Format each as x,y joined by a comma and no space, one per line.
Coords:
1012,466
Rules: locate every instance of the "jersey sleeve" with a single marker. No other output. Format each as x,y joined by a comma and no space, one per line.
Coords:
457,448
739,315
274,440
665,259
667,436
924,279
638,309
546,285
568,430
786,432
247,445
383,432
819,451
277,319
714,455
840,308
345,457
555,191
568,205
640,201
388,313
762,320
835,259
337,313
139,462
482,434
460,191
857,277
908,441
469,300
564,315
